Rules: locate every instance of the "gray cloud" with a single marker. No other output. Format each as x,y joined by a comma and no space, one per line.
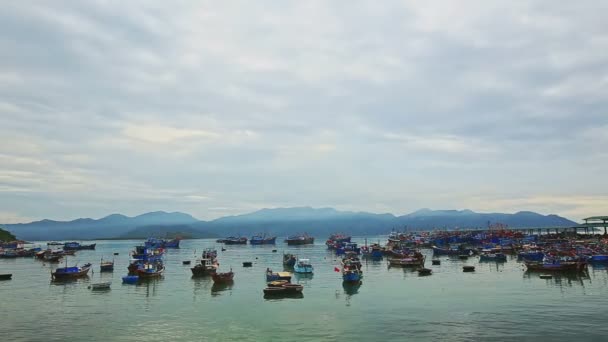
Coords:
218,108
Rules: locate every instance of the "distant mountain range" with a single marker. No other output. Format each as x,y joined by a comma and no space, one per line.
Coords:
279,221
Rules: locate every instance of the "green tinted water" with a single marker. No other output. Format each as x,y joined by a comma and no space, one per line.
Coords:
497,302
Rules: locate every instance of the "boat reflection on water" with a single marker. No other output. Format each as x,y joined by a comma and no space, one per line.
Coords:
351,288
282,296
568,279
149,285
67,281
218,288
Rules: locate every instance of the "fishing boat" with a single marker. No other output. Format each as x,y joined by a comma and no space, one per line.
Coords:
235,240
209,253
455,251
66,272
289,260
412,259
351,274
339,237
348,247
424,271
6,276
303,266
151,270
283,289
54,243
174,243
495,257
161,243
272,276
100,286
75,246
52,257
262,240
205,266
531,255
106,266
373,252
130,279
351,261
226,277
598,259
300,240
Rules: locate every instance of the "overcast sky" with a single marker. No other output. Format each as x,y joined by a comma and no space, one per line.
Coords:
225,107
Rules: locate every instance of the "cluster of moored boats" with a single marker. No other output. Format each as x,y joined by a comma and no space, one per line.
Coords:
539,253
263,239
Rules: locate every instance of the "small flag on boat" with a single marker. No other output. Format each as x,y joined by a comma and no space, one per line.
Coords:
336,269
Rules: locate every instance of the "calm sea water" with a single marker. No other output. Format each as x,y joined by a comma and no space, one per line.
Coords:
498,302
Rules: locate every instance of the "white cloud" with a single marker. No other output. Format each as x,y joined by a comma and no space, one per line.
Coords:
188,105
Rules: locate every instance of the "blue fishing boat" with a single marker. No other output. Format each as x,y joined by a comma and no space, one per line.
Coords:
75,246
151,269
598,259
160,243
289,260
351,275
172,243
303,266
263,240
71,272
348,247
531,256
130,279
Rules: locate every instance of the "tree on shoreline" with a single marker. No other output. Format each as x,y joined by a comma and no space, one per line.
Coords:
6,235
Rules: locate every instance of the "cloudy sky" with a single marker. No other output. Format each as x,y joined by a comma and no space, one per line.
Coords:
224,107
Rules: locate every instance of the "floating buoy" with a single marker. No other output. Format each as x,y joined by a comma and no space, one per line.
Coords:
274,251
116,253
186,262
468,268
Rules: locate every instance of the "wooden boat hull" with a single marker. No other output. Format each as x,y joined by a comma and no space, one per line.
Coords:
202,270
106,268
297,242
222,277
147,274
71,275
6,276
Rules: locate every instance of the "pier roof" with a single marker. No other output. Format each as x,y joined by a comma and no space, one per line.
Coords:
596,218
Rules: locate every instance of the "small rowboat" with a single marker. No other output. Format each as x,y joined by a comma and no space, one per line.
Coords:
468,268
6,276
247,263
222,277
425,271
130,279
100,286
186,262
545,276
106,266
436,262
287,288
